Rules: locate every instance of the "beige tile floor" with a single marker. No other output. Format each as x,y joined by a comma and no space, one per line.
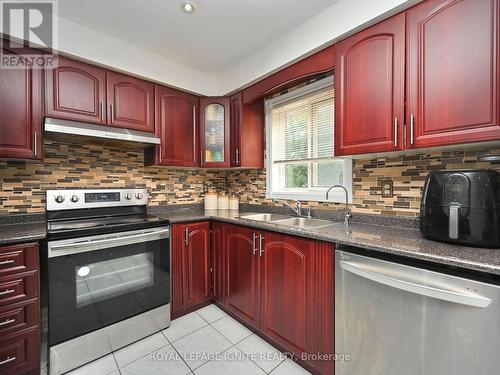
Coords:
205,342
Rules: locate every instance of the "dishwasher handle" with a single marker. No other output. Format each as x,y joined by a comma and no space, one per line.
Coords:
464,298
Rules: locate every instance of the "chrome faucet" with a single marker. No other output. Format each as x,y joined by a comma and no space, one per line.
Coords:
348,214
298,206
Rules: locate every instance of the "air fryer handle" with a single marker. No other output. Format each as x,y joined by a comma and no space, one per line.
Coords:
453,227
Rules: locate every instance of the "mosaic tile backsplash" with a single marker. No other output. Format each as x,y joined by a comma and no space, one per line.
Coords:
408,173
23,183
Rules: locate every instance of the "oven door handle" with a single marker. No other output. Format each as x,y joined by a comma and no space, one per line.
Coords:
103,242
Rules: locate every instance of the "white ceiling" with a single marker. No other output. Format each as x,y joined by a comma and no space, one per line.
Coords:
219,35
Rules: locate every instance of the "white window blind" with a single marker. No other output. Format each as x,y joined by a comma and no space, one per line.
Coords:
300,144
302,129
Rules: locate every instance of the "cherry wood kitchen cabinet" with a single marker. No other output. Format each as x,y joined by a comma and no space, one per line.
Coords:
288,286
452,72
369,97
130,102
19,309
283,286
242,286
246,132
321,62
82,92
191,266
218,261
177,126
21,113
76,91
214,132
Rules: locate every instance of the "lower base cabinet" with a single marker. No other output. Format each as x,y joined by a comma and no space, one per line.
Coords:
280,285
19,310
242,274
284,287
191,266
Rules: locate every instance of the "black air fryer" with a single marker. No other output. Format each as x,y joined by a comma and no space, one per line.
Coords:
462,207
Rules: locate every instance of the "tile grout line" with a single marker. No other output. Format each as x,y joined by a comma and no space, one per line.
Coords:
196,330
234,344
182,359
145,355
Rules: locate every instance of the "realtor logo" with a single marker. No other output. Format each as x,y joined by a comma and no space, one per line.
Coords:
27,26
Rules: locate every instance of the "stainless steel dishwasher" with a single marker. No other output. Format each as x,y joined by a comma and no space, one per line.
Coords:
396,319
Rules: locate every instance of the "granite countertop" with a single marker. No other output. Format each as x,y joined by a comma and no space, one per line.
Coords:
398,241
22,232
390,240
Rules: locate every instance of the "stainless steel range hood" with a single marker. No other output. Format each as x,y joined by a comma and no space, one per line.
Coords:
74,131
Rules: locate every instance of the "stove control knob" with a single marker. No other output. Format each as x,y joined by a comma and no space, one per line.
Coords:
59,198
138,196
128,196
74,198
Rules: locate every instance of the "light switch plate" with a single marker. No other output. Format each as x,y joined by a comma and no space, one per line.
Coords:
387,188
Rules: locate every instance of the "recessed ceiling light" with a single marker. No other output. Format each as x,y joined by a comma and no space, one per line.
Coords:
188,7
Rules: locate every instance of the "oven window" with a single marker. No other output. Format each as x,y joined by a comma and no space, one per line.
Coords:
91,290
111,278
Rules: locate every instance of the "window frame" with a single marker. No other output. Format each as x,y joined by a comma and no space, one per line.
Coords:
313,193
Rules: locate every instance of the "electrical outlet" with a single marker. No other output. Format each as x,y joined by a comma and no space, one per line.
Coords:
387,189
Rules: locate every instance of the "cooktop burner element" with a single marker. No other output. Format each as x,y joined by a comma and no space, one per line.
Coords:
84,212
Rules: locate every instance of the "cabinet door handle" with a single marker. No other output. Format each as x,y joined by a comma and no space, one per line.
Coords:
8,360
195,134
201,157
412,125
186,236
35,143
261,245
7,322
254,247
159,147
6,291
237,156
112,113
395,132
8,261
102,111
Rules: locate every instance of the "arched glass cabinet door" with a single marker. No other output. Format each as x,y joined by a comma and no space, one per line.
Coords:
215,133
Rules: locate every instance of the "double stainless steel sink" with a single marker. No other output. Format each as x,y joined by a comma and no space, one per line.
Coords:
291,221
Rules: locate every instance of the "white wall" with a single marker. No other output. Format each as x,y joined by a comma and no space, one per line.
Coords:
340,19
84,43
343,17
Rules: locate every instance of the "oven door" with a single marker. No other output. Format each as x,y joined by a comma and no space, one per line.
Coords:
97,281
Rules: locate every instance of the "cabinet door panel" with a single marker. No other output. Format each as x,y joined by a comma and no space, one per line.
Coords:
177,270
176,119
452,73
288,291
130,102
370,89
21,113
242,274
75,91
197,264
218,261
236,104
215,132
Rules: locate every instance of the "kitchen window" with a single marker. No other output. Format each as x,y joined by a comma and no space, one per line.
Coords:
300,145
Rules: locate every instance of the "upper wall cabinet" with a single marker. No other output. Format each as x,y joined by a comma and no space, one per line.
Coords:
21,113
81,92
452,72
247,132
177,126
130,102
214,132
370,89
76,91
